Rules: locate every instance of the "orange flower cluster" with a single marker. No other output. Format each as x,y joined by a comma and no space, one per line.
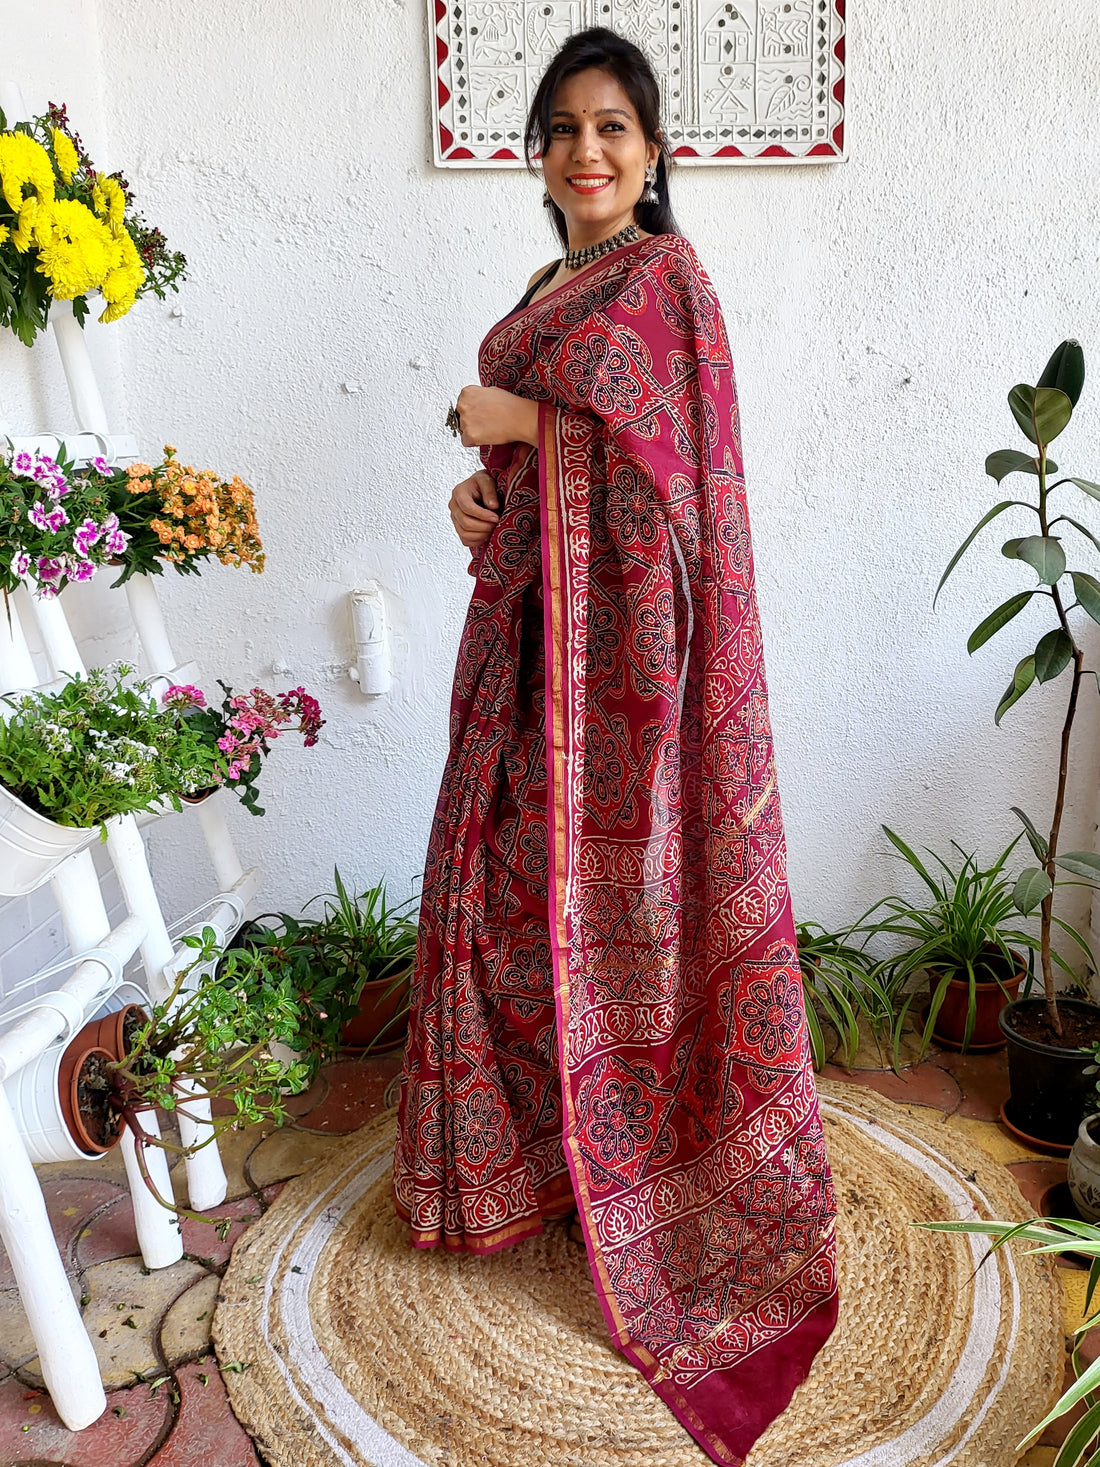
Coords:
200,514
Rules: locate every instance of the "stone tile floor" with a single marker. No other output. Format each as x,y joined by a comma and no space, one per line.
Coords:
167,1404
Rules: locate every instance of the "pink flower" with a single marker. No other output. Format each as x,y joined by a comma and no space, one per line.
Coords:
101,465
23,464
183,695
86,536
37,515
20,563
81,570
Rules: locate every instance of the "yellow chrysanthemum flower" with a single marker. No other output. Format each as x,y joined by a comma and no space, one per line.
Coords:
4,232
65,154
109,202
28,225
22,162
124,278
79,252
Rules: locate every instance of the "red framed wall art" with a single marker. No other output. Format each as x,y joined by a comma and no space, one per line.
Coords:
744,81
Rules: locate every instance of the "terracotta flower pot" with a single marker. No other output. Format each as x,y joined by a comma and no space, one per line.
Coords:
109,1032
989,1000
84,1098
377,1015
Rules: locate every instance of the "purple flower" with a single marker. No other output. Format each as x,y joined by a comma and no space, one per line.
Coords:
116,542
46,462
23,464
81,570
49,569
58,487
20,563
37,515
101,465
56,518
86,536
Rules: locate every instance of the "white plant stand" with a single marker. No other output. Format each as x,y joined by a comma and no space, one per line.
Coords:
29,1032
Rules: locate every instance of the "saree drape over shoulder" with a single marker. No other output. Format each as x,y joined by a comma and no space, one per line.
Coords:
607,1001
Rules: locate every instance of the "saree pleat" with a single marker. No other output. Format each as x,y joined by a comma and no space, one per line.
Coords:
607,1004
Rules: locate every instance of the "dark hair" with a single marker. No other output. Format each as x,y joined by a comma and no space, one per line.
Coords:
601,49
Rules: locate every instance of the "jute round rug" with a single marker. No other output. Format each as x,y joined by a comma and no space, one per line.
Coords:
362,1351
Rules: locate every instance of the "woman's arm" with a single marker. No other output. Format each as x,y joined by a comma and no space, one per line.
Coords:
489,415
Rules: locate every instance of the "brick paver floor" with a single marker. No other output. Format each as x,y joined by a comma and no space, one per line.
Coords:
167,1402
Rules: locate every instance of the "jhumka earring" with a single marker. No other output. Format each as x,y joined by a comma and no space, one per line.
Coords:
649,193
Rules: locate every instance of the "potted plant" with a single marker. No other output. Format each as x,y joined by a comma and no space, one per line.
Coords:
1054,1236
70,760
349,967
68,229
1049,1039
849,991
959,938
240,732
56,522
211,1040
57,1098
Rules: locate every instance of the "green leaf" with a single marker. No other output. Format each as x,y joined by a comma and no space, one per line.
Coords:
1081,863
1035,840
1066,370
1069,520
1052,655
1022,679
998,619
1010,461
1087,485
966,544
1045,555
1072,1450
1011,548
1088,592
1042,412
1032,887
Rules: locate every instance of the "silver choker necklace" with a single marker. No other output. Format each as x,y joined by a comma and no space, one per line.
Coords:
577,259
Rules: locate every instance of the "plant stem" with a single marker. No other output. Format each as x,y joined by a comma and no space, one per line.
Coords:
1045,911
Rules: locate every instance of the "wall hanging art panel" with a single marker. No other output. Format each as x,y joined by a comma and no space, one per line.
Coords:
743,81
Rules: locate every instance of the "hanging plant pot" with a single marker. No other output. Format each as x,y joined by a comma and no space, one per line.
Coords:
1083,1170
60,1099
199,797
989,999
32,847
1050,1091
379,1024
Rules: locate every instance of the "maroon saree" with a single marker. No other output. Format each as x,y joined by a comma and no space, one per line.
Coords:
607,1003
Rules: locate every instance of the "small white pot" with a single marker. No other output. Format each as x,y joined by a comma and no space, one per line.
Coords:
1084,1171
32,847
33,1095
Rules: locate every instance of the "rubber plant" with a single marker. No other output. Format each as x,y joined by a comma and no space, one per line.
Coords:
1069,595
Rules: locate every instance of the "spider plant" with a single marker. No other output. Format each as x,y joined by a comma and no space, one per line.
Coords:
846,988
1055,1235
960,931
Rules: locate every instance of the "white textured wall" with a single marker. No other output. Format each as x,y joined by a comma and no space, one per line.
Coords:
879,312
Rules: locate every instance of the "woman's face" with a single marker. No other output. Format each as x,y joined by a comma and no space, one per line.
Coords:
595,164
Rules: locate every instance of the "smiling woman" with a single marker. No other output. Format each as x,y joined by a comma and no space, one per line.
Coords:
607,1003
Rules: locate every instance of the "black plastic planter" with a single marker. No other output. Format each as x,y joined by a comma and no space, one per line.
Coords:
1050,1090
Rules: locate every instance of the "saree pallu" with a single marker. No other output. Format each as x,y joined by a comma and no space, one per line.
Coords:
607,1004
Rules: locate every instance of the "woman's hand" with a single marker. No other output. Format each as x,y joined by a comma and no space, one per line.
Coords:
489,415
474,504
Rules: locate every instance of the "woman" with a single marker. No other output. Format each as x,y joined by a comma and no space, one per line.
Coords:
607,1007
